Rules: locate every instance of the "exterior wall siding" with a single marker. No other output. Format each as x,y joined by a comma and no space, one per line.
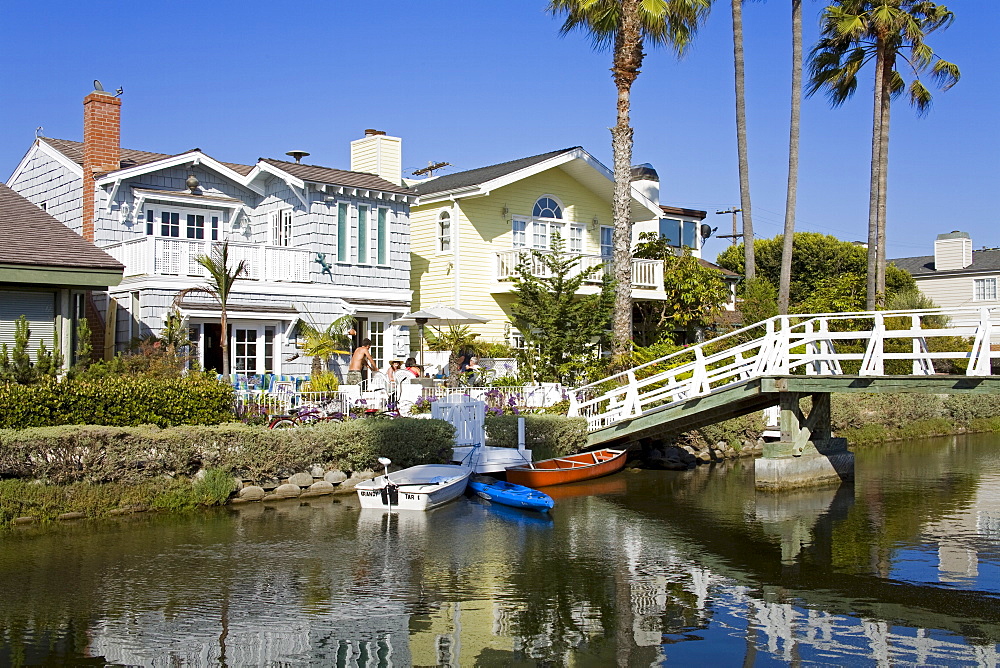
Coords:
480,231
46,180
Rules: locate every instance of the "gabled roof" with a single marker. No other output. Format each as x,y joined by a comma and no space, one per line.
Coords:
30,236
576,162
982,260
340,177
712,265
480,175
132,159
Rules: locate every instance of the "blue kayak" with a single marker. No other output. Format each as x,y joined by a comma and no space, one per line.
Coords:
517,496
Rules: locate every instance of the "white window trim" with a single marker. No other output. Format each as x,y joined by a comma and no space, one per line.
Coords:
985,281
551,225
282,220
388,236
367,236
348,226
562,207
183,213
438,237
600,241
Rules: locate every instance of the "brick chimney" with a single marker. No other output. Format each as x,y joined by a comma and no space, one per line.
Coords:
101,147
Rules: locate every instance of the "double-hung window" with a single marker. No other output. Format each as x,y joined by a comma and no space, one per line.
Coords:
444,232
281,227
607,241
537,231
382,236
343,232
519,239
362,235
984,289
576,238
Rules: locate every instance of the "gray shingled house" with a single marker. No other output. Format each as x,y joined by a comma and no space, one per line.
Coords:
319,242
46,271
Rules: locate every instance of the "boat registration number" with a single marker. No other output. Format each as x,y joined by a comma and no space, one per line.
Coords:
373,493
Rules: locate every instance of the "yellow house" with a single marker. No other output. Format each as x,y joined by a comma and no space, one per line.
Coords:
470,229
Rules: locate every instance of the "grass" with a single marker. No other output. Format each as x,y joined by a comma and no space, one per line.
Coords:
44,502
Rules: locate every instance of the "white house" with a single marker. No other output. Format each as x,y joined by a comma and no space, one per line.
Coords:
319,242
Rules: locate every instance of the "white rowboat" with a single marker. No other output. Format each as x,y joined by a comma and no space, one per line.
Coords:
417,488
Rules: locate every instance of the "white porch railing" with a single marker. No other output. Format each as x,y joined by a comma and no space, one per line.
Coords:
783,345
178,257
647,274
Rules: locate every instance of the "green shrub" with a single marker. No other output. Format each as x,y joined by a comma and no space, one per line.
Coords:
117,401
99,454
546,436
857,410
966,408
734,431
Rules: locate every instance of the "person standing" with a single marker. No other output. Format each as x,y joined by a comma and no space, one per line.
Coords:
361,360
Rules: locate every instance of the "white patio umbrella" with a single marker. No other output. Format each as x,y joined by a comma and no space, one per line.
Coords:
438,315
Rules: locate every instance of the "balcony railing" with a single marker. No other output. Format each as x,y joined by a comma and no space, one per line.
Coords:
646,274
178,257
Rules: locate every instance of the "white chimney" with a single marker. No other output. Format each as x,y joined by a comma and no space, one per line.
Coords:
378,154
646,181
952,251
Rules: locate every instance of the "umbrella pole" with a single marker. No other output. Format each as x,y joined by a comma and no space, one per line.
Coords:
421,322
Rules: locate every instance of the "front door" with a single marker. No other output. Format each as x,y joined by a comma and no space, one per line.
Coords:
252,348
212,346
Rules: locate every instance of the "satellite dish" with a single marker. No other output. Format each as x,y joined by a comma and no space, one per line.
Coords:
98,87
707,231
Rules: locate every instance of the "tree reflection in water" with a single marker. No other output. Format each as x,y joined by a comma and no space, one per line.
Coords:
634,569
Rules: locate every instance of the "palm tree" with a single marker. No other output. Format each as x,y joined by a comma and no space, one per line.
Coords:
854,33
749,263
219,287
625,26
785,278
323,343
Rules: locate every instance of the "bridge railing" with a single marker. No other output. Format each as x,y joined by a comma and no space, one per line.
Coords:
817,344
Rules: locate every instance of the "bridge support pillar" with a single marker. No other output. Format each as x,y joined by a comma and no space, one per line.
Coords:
807,454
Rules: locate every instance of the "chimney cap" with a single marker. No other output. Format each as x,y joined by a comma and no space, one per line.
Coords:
372,131
298,155
955,234
644,172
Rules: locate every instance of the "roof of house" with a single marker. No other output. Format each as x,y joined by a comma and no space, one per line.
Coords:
131,158
338,177
472,177
982,260
712,265
680,211
30,236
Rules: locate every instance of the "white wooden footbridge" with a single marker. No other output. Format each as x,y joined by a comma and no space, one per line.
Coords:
786,358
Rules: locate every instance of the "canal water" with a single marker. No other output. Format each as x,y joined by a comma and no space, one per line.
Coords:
641,568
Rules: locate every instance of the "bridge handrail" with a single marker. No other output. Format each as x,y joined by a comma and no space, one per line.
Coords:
780,336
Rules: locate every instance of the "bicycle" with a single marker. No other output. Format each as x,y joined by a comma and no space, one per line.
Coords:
307,414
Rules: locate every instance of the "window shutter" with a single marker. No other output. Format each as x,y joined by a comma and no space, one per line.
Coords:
40,309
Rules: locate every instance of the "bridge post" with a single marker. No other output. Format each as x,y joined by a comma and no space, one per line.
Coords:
807,454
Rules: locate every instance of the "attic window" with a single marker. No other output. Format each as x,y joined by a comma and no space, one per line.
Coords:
547,207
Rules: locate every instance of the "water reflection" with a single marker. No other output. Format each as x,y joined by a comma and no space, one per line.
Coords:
641,568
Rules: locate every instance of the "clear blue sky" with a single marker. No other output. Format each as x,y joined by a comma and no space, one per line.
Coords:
476,83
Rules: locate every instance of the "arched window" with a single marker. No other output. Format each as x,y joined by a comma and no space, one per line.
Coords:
547,207
444,232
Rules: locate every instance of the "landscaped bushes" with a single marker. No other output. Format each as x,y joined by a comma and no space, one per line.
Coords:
99,454
546,436
117,401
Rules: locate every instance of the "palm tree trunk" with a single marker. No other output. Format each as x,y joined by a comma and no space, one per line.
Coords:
750,265
788,235
873,195
224,342
883,178
627,60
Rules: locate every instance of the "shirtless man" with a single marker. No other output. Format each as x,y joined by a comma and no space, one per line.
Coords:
361,359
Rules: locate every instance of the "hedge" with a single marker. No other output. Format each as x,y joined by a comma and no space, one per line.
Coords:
121,401
546,436
101,454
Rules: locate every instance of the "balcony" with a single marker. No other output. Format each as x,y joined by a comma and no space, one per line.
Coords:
178,257
646,274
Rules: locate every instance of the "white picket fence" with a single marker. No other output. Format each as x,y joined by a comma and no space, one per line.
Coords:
789,345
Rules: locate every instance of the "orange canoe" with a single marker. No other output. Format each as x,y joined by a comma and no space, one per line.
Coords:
573,468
